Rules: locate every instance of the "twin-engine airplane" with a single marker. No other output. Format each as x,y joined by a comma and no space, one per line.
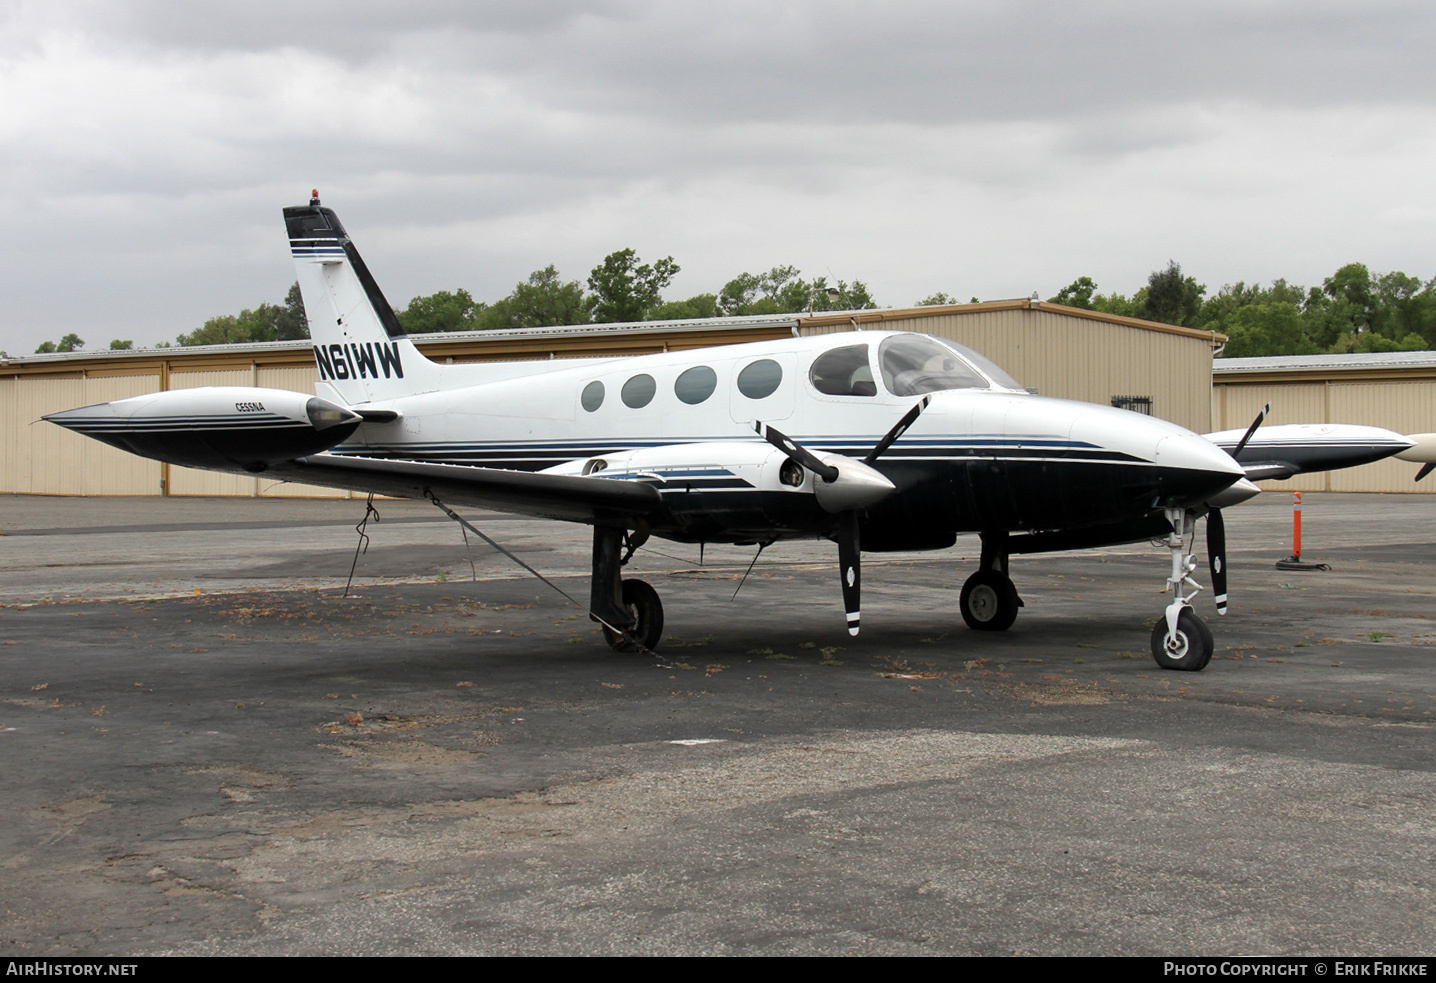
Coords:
888,441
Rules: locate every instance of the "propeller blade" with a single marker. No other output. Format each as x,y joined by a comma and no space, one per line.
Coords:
1217,555
1241,444
898,430
850,565
795,450
1425,470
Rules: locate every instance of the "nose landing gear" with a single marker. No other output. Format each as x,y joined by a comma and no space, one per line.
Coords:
1181,640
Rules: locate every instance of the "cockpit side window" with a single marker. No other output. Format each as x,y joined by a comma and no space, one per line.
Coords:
844,372
986,366
914,364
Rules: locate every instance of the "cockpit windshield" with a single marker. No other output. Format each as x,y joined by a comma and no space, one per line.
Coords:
913,364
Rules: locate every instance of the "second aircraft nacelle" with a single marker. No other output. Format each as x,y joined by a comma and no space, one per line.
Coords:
224,428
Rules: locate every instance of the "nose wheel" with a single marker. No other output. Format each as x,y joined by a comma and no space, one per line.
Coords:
1181,640
1188,648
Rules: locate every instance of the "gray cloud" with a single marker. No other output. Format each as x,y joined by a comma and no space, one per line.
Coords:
469,143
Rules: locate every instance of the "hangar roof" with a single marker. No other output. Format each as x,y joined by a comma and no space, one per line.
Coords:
1325,363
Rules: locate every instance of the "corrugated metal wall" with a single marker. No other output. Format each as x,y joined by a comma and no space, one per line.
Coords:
41,459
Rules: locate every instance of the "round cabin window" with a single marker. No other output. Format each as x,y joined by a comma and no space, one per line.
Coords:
695,384
760,379
638,391
592,397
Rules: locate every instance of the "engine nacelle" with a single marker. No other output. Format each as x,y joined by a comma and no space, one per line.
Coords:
220,428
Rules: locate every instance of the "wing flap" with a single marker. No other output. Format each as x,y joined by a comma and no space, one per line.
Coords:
548,496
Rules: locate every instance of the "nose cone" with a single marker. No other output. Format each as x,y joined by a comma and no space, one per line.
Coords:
1176,466
1193,469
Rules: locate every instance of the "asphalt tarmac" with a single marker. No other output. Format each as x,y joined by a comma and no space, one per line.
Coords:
207,748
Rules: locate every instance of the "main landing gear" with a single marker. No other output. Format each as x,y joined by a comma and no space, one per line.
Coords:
989,601
1181,640
629,610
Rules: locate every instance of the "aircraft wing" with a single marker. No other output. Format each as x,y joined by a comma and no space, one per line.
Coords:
550,496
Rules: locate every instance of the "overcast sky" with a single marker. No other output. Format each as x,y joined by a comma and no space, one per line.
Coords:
986,149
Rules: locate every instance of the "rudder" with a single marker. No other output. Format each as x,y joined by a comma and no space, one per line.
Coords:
360,348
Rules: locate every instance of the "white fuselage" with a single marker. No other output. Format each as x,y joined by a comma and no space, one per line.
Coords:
987,455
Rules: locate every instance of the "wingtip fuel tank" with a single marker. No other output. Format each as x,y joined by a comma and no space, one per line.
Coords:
216,427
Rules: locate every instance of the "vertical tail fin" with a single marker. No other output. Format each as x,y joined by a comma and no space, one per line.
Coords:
362,352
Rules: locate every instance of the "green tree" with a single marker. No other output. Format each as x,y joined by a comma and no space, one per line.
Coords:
851,296
71,342
267,322
290,322
938,299
442,311
1078,293
1115,303
1266,329
778,291
1172,298
625,290
222,330
782,291
543,300
695,308
1370,341
1404,306
121,346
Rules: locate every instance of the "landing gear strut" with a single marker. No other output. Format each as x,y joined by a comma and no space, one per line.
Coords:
989,601
629,610
1181,640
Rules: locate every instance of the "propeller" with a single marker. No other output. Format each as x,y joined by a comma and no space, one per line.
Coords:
843,486
1241,444
1217,555
1424,452
1217,526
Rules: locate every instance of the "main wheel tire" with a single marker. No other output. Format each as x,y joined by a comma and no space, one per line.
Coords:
643,603
1192,648
989,602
